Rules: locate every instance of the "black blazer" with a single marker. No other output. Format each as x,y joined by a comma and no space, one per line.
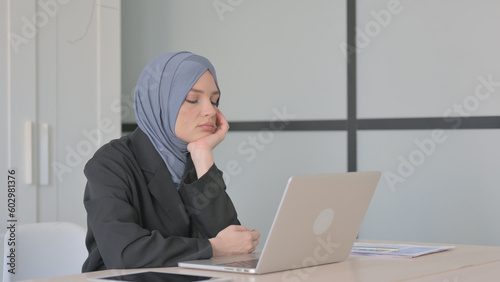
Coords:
137,218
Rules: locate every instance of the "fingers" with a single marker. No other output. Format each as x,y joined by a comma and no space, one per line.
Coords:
238,228
221,121
249,239
255,239
252,240
211,141
235,239
255,234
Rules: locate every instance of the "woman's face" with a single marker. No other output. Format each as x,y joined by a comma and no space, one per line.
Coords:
197,115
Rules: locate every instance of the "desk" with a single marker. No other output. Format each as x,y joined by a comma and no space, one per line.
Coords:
464,263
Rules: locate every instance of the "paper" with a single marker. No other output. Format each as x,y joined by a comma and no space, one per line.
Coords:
396,250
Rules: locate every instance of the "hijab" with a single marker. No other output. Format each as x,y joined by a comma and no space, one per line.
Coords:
160,92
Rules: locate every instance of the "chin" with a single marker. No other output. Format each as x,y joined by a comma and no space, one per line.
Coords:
199,136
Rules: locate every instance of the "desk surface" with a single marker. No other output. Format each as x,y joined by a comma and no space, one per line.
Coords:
463,263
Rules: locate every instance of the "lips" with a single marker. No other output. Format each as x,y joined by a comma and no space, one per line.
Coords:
207,126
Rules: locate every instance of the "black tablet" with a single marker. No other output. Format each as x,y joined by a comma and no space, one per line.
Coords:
153,276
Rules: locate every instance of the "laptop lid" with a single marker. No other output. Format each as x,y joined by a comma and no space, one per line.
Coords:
317,222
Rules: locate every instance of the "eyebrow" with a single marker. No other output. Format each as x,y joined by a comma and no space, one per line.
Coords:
200,91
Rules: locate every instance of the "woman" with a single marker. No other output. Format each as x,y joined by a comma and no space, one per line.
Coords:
155,197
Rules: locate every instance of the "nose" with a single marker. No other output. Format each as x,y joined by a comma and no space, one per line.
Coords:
208,109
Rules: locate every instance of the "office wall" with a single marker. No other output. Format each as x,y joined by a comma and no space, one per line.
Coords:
276,62
439,60
59,74
414,59
267,54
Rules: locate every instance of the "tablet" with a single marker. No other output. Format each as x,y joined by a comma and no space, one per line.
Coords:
153,276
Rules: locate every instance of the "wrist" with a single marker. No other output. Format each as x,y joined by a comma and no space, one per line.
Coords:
203,160
213,242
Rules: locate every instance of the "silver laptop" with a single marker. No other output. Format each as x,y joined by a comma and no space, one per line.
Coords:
317,222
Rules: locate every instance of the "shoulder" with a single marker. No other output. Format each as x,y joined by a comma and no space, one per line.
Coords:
115,155
130,155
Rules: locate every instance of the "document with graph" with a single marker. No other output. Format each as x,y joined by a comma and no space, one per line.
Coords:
396,250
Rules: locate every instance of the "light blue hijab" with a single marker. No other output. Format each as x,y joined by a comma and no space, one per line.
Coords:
161,89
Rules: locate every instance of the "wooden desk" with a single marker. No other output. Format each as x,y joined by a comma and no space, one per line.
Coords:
464,263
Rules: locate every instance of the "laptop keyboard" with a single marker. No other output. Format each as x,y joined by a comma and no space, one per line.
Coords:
244,263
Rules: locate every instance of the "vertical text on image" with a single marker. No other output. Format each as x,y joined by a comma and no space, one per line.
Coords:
10,259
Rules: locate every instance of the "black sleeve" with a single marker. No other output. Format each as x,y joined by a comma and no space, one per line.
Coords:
116,235
207,202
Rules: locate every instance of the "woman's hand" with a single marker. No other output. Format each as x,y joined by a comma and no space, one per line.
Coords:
233,240
201,149
211,141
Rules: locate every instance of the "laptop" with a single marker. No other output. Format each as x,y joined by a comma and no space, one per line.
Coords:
317,222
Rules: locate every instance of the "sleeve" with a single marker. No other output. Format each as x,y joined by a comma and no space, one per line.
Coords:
115,224
207,202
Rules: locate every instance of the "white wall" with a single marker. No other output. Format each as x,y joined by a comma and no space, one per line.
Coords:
416,59
62,72
272,58
429,60
266,53
428,57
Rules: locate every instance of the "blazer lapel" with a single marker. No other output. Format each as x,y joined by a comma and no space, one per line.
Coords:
161,185
163,189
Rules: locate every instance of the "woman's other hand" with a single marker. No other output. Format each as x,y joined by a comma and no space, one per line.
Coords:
233,240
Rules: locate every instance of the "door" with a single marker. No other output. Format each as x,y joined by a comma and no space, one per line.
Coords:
60,99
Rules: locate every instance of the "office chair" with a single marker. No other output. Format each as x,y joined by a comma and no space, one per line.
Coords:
45,250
